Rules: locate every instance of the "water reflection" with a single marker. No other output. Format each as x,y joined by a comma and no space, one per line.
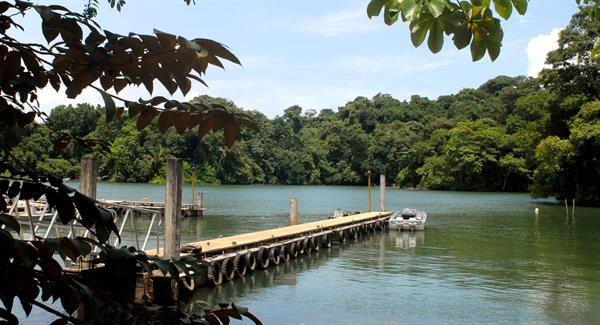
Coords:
407,239
283,274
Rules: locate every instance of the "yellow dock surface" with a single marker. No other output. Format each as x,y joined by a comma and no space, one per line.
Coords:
225,243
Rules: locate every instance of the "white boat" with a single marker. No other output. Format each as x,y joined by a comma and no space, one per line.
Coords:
408,219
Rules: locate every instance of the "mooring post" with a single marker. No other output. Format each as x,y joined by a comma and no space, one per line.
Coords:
566,207
369,187
173,207
88,176
382,192
293,211
87,186
573,209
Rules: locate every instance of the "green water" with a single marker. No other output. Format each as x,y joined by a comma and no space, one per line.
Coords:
484,258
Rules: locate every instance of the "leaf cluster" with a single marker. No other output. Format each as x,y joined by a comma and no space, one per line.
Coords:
470,23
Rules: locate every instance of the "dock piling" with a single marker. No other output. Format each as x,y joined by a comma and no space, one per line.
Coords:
382,192
293,211
88,177
369,188
173,207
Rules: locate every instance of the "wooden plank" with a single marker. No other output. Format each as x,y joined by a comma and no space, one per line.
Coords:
226,243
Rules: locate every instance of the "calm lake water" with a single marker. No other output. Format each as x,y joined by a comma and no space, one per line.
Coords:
484,258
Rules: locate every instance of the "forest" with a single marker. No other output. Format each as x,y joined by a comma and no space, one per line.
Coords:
540,135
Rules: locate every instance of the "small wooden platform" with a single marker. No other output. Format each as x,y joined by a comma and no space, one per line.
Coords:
249,239
187,210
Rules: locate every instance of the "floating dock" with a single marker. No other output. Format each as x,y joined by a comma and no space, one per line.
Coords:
234,256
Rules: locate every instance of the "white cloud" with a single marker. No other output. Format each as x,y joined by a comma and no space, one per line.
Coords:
393,65
349,21
537,49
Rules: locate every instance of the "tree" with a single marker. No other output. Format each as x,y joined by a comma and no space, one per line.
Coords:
79,53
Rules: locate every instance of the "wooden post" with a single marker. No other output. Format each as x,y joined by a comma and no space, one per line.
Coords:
293,211
200,204
573,208
566,208
193,185
382,192
88,177
369,186
173,207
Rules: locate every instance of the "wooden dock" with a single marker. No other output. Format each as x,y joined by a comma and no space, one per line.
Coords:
187,210
226,244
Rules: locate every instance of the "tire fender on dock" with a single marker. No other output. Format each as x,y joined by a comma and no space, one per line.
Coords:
316,243
326,241
262,257
228,269
300,246
250,261
308,245
275,254
285,252
239,264
293,249
214,273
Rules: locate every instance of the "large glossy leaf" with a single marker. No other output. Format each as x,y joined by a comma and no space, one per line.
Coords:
411,9
10,222
419,29
503,7
436,37
374,7
520,5
477,48
436,7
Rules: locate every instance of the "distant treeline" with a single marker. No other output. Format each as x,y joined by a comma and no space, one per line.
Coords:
510,134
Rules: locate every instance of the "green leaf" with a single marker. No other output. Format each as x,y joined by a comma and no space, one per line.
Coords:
374,7
503,7
109,103
520,5
411,9
477,48
436,37
418,30
436,7
462,36
10,222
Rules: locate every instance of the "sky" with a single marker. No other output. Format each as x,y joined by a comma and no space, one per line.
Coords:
320,53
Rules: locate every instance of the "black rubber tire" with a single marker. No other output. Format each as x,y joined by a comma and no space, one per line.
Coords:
239,263
326,241
214,274
341,236
317,243
228,269
300,247
262,257
275,254
308,245
187,283
285,252
250,261
293,249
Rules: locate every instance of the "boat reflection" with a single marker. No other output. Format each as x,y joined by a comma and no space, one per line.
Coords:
407,239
